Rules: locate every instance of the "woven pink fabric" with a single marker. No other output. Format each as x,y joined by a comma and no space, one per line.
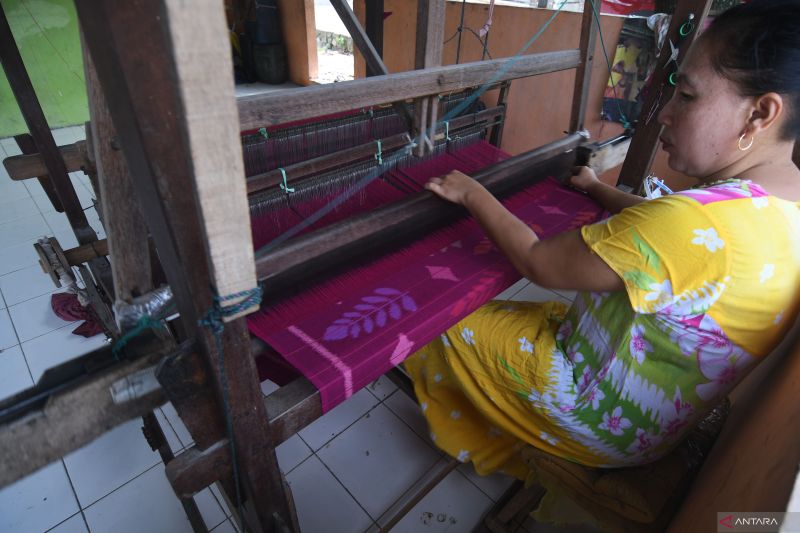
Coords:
345,332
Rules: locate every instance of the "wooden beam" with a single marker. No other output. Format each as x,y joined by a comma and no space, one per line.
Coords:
428,53
604,155
136,66
373,25
28,146
31,164
290,408
126,230
208,97
279,107
430,33
645,140
583,75
76,415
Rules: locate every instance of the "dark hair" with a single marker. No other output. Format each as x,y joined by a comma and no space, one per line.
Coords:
757,46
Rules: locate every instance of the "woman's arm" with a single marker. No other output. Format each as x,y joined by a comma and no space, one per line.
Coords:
611,198
563,262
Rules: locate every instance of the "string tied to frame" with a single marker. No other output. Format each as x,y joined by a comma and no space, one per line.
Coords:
213,320
379,153
285,185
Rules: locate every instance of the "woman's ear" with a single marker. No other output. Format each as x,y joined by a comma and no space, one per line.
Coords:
767,111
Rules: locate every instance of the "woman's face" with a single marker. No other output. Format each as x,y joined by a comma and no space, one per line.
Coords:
704,118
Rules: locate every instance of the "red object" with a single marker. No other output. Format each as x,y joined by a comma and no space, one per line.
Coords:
67,307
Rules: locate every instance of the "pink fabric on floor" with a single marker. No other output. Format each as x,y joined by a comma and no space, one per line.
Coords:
67,307
345,332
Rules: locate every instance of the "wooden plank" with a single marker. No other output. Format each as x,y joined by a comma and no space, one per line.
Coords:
430,33
134,60
428,53
496,137
76,416
606,155
28,146
85,252
31,164
583,75
279,107
205,79
645,140
373,25
285,264
125,228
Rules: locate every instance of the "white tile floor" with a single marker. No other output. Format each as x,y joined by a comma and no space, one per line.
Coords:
346,469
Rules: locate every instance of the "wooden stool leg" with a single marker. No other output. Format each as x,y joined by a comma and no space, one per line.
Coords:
517,502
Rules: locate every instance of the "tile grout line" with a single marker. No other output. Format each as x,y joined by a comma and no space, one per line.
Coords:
75,494
375,520
137,476
345,488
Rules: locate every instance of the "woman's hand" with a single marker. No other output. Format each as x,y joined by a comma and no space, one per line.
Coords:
583,178
455,187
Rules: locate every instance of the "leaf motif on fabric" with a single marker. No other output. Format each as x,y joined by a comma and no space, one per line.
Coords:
645,250
639,278
373,312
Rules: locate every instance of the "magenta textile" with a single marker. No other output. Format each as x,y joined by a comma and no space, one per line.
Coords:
344,333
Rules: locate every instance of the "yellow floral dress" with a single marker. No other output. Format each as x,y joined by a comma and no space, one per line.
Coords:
712,279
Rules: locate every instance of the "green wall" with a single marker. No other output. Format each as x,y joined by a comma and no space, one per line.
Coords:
46,32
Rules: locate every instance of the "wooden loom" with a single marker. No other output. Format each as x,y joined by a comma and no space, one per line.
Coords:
186,229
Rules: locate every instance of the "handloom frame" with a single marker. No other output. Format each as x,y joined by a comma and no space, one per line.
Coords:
139,85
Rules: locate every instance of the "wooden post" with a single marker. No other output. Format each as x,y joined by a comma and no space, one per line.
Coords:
374,28
28,146
300,35
496,137
583,75
430,41
125,228
645,141
135,58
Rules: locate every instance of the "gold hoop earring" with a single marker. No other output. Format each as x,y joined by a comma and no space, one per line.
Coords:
745,148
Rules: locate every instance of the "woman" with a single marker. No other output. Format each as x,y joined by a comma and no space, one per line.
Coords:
680,296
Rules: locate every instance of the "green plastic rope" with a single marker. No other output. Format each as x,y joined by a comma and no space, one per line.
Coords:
285,186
